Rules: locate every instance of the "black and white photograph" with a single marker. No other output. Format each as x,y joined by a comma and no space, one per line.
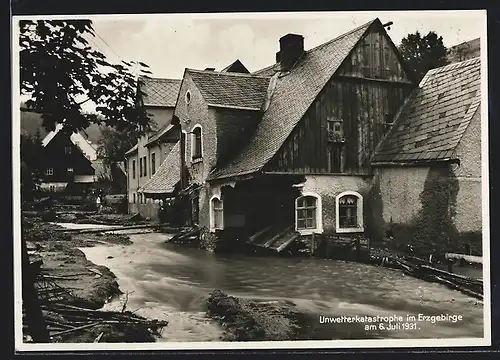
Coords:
291,180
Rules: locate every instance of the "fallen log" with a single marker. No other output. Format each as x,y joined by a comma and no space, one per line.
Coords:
469,258
108,229
65,332
189,234
468,286
98,338
460,288
453,276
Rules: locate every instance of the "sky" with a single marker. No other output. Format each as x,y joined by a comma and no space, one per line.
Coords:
169,43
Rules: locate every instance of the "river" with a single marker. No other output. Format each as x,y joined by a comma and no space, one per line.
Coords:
172,282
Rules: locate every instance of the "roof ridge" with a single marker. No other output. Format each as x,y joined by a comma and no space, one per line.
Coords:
325,43
343,35
251,75
464,42
455,65
158,78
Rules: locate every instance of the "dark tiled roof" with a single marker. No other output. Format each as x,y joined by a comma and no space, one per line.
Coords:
268,71
432,121
163,130
293,95
231,89
236,66
167,176
160,92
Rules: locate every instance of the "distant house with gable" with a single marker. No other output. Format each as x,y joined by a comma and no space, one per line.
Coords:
67,159
87,142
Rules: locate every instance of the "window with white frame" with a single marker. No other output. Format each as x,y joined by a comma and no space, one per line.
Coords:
70,171
216,213
349,212
49,171
308,213
196,142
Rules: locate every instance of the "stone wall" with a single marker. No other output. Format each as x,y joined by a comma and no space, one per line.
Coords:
328,187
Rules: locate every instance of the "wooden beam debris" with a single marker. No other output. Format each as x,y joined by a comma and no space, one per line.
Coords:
470,286
468,258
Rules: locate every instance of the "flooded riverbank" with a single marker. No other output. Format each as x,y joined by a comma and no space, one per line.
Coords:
172,282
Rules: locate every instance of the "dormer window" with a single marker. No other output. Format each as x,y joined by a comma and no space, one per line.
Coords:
196,143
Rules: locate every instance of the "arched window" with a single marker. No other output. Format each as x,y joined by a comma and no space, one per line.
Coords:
216,213
196,143
308,213
349,212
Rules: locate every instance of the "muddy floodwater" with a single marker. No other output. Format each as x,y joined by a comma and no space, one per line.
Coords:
172,282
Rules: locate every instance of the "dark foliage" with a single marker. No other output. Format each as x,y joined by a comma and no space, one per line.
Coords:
31,171
60,72
423,53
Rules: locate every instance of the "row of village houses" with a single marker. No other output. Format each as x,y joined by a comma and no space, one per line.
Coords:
339,139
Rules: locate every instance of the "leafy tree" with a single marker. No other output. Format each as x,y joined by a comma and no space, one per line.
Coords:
60,72
423,53
113,146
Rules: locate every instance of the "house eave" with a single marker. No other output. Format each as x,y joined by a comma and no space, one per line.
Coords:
240,177
157,106
414,162
232,107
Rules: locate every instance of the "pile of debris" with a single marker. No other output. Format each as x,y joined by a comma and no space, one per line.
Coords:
190,235
252,320
420,269
69,323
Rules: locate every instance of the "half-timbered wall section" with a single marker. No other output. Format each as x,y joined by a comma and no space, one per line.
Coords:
340,131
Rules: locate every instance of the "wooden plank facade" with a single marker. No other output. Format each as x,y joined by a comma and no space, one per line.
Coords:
340,131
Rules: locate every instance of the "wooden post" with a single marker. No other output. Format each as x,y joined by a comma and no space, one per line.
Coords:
358,248
450,266
313,241
34,316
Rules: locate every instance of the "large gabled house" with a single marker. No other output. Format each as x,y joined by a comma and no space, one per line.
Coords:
289,147
427,171
291,153
158,97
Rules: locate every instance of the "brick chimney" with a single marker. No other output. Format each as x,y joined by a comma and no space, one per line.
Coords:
291,48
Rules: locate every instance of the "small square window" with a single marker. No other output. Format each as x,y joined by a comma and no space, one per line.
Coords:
70,170
49,171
